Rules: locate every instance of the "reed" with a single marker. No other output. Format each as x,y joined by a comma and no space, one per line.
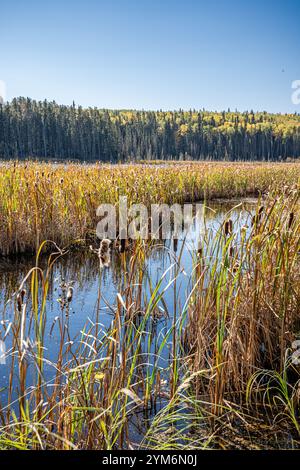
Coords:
220,375
58,202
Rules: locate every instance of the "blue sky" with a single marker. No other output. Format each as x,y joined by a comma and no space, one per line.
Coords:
153,54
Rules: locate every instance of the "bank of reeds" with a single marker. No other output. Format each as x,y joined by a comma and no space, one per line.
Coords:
58,202
223,375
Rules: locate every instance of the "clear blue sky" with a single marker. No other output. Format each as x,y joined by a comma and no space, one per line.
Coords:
153,54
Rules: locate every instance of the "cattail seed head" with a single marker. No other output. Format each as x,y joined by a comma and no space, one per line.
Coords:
20,299
70,294
104,252
228,227
291,219
122,245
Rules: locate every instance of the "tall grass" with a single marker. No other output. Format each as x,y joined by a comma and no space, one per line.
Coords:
219,376
58,202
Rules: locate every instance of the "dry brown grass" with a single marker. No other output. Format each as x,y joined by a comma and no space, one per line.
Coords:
229,347
58,202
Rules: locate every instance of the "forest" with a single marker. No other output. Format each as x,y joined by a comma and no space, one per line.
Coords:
49,131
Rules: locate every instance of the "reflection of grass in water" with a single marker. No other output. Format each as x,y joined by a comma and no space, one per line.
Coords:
229,381
82,266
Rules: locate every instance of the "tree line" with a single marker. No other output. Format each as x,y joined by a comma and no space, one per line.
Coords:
46,130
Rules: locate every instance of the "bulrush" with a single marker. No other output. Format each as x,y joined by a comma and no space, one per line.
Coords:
257,217
70,294
122,245
228,227
103,252
20,299
291,219
200,252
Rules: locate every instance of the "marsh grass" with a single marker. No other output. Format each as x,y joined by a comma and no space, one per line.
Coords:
219,376
58,202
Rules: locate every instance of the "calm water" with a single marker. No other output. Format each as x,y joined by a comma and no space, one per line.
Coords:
95,289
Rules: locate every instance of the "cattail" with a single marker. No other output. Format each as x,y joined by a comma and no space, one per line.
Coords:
291,219
256,218
122,245
103,253
228,227
104,245
70,294
235,267
20,299
175,244
19,302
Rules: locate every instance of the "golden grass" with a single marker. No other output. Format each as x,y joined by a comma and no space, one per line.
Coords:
229,382
41,201
248,300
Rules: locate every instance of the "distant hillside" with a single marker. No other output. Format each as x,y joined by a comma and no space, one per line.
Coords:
47,130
